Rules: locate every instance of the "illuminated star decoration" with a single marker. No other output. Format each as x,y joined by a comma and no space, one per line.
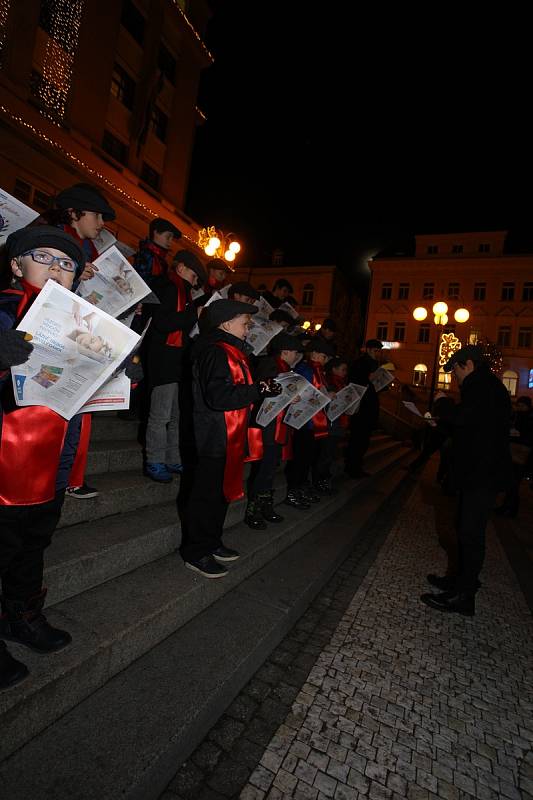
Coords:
448,346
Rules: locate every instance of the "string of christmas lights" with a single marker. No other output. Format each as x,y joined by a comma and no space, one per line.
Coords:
193,29
65,20
80,163
4,13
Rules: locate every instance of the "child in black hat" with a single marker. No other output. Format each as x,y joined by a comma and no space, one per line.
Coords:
37,450
151,258
223,392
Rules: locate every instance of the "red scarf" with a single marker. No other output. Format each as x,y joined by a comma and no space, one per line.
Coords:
215,285
175,339
159,261
239,438
82,242
320,420
32,441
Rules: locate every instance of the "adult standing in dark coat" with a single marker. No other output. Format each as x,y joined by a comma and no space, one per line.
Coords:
481,463
365,420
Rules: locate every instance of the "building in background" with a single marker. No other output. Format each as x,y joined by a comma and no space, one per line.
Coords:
102,92
469,270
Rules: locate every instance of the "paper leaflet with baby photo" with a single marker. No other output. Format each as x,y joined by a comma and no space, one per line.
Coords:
13,215
381,378
260,332
76,348
346,401
310,401
116,286
291,384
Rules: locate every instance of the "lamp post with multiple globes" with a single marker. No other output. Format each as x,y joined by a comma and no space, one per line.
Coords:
217,244
440,318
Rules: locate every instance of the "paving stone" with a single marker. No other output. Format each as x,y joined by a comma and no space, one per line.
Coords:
226,732
229,777
187,781
285,781
325,784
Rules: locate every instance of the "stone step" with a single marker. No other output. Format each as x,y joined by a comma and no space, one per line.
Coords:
110,427
120,620
128,739
119,493
116,455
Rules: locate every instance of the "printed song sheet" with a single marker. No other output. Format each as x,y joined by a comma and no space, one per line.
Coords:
116,286
13,215
346,401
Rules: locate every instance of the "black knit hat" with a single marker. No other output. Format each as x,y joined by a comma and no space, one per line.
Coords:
243,288
194,263
223,310
320,345
284,341
35,236
84,197
469,351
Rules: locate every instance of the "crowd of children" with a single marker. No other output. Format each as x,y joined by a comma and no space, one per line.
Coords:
202,391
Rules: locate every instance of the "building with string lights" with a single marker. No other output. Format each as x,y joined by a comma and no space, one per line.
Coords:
103,93
475,272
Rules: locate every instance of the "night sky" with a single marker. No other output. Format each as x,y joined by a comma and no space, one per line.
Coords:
333,133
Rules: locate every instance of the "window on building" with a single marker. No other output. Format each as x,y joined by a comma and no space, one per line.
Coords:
423,333
399,332
524,337
484,248
150,176
123,86
480,291
453,290
115,147
457,248
166,63
22,190
504,336
420,373
386,291
444,380
382,332
133,21
507,291
308,294
510,381
530,379
432,249
527,291
428,291
403,291
159,124
474,336
41,200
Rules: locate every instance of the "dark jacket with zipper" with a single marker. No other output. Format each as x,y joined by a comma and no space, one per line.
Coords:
164,361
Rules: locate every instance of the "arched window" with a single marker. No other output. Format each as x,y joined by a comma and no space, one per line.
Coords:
308,295
510,381
445,380
420,374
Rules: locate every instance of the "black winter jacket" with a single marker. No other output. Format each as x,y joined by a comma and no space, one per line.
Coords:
359,373
164,362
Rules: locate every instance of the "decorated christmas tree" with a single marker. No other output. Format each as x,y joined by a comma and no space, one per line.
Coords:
492,355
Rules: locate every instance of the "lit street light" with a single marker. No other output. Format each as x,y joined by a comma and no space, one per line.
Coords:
217,244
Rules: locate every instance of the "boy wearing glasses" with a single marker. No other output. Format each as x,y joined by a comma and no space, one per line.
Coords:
37,450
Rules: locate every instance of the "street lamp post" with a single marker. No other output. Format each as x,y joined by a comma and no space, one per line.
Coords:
215,243
440,318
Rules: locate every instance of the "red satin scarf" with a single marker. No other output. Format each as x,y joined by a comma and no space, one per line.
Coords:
320,420
239,437
175,339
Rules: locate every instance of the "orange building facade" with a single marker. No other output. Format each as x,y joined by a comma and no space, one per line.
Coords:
102,92
471,271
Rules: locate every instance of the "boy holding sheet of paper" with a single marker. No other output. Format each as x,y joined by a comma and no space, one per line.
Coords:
37,450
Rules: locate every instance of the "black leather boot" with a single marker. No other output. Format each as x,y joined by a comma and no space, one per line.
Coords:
446,583
11,670
266,504
294,500
451,602
253,517
22,621
308,495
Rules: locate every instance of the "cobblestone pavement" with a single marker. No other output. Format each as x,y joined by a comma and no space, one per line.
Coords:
374,695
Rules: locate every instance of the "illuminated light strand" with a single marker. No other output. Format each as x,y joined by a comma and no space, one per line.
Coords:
193,29
94,172
4,14
200,113
58,61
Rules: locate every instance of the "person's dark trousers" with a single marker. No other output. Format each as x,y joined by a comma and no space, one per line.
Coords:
297,470
473,511
25,533
262,472
511,501
358,441
207,510
323,454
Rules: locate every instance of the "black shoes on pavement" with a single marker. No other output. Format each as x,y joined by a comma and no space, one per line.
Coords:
451,602
22,621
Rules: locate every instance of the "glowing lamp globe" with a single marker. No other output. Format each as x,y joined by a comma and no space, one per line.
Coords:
420,313
461,315
318,326
440,308
235,247
209,250
214,242
306,325
229,255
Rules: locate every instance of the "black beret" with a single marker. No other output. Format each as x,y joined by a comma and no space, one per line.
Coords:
223,310
84,197
193,262
163,225
35,236
320,345
218,263
374,343
284,341
244,288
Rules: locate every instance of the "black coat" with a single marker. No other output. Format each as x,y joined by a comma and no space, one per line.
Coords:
359,373
480,432
214,392
164,362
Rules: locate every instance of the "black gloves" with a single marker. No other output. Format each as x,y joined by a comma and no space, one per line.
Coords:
269,388
14,349
134,371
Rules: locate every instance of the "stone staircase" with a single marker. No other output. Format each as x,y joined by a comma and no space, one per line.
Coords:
117,584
